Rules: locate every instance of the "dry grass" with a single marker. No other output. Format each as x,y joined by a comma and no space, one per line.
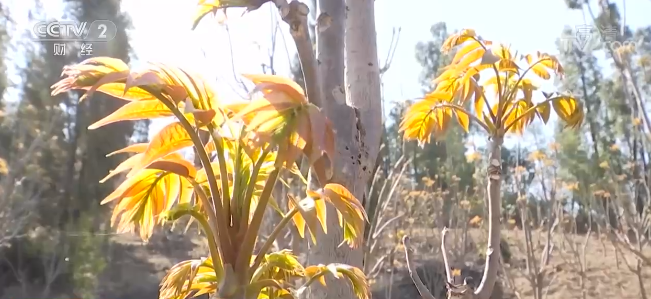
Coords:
607,274
135,269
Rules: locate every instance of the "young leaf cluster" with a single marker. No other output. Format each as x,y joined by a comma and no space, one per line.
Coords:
490,84
250,144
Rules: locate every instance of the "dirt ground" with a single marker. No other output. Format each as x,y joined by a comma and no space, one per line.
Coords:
135,269
606,272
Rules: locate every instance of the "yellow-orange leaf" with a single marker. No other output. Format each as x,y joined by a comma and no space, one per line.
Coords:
297,140
458,39
321,131
134,148
508,66
502,51
145,196
181,167
124,166
350,211
354,275
544,111
569,110
520,117
489,123
117,90
542,63
206,6
267,83
171,138
320,207
280,94
90,74
467,89
235,108
193,85
201,117
430,116
463,119
473,56
201,12
540,71
264,122
466,50
109,62
188,279
321,147
306,216
135,111
144,78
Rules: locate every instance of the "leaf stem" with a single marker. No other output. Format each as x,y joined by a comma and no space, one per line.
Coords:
511,124
261,284
312,280
208,230
222,225
223,172
237,179
508,93
497,120
248,243
520,77
490,110
462,110
246,205
272,237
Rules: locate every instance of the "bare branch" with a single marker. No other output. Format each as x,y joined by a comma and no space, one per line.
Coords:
395,37
14,214
230,47
380,229
295,15
629,247
422,289
383,201
271,53
444,252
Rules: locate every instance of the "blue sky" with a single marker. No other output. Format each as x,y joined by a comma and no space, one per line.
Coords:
161,32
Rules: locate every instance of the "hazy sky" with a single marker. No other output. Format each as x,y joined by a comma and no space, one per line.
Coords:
161,32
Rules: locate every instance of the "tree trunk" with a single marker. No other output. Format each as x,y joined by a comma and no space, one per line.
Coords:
489,278
358,107
362,79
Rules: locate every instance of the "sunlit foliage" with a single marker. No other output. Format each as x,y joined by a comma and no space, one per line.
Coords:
492,85
250,144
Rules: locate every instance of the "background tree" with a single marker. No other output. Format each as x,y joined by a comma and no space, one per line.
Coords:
507,113
55,164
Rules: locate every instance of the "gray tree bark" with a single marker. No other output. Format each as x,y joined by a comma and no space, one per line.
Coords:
350,86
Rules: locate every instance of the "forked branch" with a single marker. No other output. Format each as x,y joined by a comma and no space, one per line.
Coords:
444,252
295,15
489,278
422,289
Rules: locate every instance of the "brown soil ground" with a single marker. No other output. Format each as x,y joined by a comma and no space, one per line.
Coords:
606,272
135,269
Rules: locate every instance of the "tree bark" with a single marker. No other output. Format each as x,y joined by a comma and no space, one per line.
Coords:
489,278
355,111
